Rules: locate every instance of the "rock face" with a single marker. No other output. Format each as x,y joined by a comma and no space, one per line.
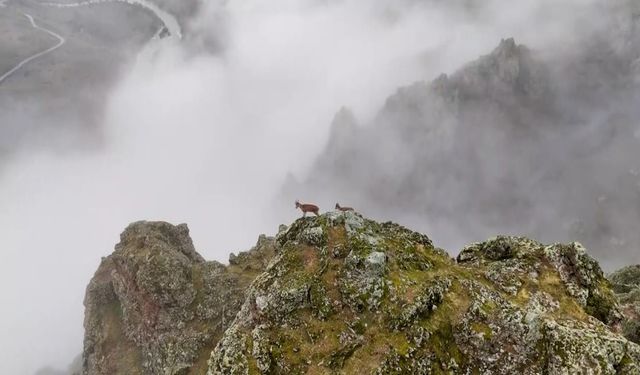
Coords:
349,295
340,293
626,285
156,307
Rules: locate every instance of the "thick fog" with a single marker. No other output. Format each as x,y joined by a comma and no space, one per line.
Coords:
207,130
540,141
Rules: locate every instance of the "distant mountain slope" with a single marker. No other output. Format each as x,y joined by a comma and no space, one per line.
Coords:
543,143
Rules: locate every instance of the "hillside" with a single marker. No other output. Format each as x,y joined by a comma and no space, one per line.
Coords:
340,293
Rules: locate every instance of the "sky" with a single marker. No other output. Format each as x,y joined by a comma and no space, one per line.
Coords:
207,136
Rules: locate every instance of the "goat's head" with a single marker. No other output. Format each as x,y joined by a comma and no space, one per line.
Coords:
297,203
337,206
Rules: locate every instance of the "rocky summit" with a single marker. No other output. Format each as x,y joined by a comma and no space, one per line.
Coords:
156,307
342,294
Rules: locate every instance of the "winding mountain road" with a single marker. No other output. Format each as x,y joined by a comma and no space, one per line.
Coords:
61,41
167,19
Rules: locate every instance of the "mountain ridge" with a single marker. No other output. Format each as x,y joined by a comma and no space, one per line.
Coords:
340,293
509,139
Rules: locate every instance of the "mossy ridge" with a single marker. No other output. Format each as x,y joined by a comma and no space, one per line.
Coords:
498,307
521,266
359,247
625,279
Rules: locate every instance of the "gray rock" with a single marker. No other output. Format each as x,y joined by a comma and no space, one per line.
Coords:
155,306
510,305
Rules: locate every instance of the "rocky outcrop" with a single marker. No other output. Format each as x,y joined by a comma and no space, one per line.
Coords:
349,295
626,285
505,258
340,293
155,306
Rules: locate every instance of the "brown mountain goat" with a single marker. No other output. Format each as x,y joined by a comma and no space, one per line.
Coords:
307,207
343,209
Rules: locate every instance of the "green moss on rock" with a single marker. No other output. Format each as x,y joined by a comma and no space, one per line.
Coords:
626,284
381,299
155,306
339,293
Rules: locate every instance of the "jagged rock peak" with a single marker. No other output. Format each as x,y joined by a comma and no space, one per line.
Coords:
508,48
343,127
509,69
155,306
511,76
145,234
344,117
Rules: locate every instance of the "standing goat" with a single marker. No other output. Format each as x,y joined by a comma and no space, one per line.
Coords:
306,207
343,209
